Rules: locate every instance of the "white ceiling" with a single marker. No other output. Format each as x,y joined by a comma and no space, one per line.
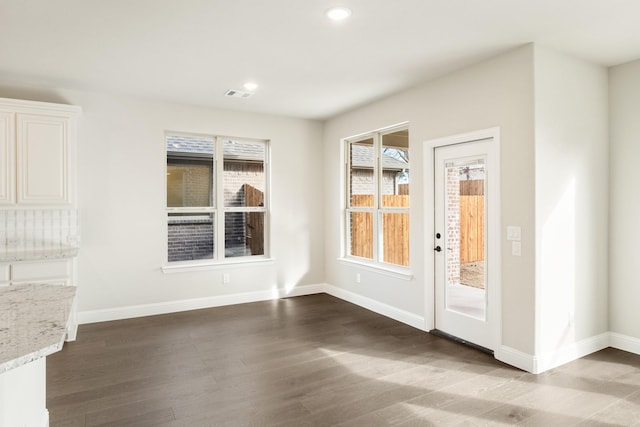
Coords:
192,51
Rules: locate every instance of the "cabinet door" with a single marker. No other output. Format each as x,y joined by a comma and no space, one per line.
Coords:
43,146
7,159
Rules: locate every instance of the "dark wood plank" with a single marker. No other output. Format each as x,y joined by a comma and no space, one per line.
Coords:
315,361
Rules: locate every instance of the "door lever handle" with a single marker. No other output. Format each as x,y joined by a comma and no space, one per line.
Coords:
438,249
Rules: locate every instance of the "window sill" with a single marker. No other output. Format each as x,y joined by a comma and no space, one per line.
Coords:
183,268
396,272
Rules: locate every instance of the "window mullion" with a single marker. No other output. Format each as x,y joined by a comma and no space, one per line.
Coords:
218,168
377,198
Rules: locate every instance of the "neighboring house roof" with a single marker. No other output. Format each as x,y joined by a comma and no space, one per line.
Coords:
189,144
238,150
362,158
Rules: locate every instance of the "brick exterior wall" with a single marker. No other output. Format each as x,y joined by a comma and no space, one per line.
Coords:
236,174
190,238
235,242
362,181
189,184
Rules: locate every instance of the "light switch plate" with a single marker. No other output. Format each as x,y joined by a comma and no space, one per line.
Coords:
516,248
514,233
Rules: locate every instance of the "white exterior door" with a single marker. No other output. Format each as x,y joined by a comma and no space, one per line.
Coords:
466,283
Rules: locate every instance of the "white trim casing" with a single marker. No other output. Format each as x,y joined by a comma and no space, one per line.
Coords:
185,267
380,268
494,222
377,209
217,207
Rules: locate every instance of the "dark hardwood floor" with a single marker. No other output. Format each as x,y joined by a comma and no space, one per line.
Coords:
317,361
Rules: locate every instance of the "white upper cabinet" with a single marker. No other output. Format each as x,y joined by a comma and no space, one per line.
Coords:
7,158
43,159
40,142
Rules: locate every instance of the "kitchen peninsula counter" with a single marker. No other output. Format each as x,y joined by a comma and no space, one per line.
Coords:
33,323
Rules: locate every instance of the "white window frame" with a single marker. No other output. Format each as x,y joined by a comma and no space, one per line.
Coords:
218,209
377,262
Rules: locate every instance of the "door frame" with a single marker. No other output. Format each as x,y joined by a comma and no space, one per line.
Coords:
494,223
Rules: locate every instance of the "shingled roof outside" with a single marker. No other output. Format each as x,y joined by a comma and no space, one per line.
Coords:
238,150
362,158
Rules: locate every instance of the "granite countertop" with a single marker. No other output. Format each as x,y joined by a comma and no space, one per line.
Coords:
33,322
39,254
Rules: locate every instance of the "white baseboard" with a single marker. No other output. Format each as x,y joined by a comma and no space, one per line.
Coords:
132,311
537,364
528,362
570,352
624,342
517,358
377,307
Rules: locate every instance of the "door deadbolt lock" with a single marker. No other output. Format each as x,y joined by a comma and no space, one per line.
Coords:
438,235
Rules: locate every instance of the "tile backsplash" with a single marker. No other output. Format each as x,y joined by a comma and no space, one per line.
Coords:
38,229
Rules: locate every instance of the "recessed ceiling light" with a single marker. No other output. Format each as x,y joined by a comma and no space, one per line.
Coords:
338,13
250,86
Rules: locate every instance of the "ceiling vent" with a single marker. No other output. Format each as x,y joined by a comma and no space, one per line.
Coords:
237,94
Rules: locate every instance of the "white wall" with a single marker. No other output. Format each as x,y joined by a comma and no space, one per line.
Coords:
571,167
624,114
498,92
121,164
551,111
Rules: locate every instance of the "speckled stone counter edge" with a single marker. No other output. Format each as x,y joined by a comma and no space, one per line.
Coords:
64,301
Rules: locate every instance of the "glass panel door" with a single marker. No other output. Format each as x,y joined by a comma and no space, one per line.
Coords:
464,231
464,237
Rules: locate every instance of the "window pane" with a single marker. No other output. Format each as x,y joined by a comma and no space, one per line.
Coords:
189,171
191,236
394,160
361,229
465,236
395,238
189,183
361,179
244,234
244,176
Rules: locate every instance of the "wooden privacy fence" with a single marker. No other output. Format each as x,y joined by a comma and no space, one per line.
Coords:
395,229
254,232
471,228
471,221
396,226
